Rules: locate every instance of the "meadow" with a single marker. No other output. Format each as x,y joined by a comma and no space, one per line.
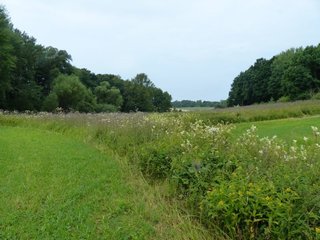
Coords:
240,173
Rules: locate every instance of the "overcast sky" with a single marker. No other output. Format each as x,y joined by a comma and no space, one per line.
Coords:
191,48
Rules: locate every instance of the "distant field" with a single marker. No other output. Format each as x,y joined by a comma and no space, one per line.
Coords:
190,109
259,112
259,108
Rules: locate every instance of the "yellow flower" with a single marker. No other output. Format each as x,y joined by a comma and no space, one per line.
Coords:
317,230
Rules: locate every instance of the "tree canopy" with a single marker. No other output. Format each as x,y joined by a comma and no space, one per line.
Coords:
292,75
35,77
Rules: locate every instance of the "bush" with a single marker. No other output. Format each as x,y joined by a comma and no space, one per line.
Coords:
72,94
256,210
105,108
316,96
284,99
251,187
155,160
270,195
50,103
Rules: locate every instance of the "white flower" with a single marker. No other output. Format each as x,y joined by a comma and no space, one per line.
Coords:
315,129
213,130
253,127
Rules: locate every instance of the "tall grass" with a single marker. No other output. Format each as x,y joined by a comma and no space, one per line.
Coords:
260,112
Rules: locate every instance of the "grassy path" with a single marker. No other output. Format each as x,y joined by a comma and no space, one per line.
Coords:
56,187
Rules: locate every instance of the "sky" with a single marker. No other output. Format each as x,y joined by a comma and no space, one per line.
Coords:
191,48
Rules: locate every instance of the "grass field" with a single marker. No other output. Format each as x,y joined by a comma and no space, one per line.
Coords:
286,129
162,176
59,188
56,187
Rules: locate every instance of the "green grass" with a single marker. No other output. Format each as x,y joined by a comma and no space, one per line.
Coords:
56,184
286,129
57,187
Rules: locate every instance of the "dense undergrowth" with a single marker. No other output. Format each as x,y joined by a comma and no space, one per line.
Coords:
240,188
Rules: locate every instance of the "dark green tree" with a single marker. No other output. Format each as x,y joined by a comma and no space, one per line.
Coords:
276,84
136,98
7,59
72,94
24,93
293,74
34,77
297,82
161,100
50,64
86,77
138,94
108,95
114,81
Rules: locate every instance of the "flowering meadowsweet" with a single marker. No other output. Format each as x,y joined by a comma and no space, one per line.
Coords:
315,131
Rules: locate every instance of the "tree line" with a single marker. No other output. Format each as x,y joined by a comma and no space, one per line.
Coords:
199,103
291,75
38,78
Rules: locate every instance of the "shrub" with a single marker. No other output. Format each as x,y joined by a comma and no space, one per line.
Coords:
105,108
256,210
284,99
251,187
316,96
50,103
155,160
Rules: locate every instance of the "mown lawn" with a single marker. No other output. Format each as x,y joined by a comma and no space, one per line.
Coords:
59,188
287,129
